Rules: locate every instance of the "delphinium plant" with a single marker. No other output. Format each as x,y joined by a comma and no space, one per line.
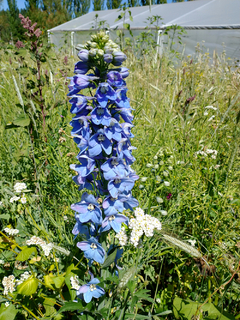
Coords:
102,130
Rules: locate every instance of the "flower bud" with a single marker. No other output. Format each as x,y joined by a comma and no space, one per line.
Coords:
83,55
107,57
100,52
93,52
118,58
93,45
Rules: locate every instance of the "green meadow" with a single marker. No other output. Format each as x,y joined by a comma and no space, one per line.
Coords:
187,136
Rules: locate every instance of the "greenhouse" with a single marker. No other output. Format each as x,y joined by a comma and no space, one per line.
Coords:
214,24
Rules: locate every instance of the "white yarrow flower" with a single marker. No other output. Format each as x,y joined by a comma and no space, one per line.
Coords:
122,237
192,242
166,183
211,107
19,186
8,284
163,212
74,282
46,247
14,198
24,276
23,199
11,232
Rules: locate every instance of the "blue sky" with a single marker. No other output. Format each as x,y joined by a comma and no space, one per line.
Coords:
21,4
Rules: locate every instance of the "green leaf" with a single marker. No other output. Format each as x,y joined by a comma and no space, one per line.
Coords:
22,121
72,306
110,259
5,216
49,306
7,313
58,281
186,309
28,287
26,253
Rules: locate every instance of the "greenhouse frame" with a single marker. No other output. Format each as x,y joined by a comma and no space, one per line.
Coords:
214,24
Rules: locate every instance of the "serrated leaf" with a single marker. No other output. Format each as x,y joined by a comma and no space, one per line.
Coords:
22,121
26,253
110,259
28,287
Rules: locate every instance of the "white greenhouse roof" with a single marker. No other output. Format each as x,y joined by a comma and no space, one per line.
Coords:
196,14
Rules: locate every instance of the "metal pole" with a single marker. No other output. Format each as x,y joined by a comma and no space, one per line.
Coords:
72,42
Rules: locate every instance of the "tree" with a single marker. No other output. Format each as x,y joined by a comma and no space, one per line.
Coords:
113,4
77,8
98,5
15,28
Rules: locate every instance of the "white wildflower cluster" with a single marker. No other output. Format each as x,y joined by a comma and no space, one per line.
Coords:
19,187
122,237
8,284
24,276
14,198
205,153
75,282
142,224
11,232
211,107
46,247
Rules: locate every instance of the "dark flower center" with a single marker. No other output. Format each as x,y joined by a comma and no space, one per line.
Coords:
90,207
114,162
100,111
101,137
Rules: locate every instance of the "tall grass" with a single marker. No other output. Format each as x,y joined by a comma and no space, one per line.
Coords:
180,109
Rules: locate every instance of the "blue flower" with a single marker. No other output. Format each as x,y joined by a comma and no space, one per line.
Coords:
92,249
81,67
114,167
115,79
113,205
90,290
79,103
80,228
99,142
114,221
85,182
86,167
122,100
119,185
88,209
80,82
114,130
104,93
78,123
101,116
